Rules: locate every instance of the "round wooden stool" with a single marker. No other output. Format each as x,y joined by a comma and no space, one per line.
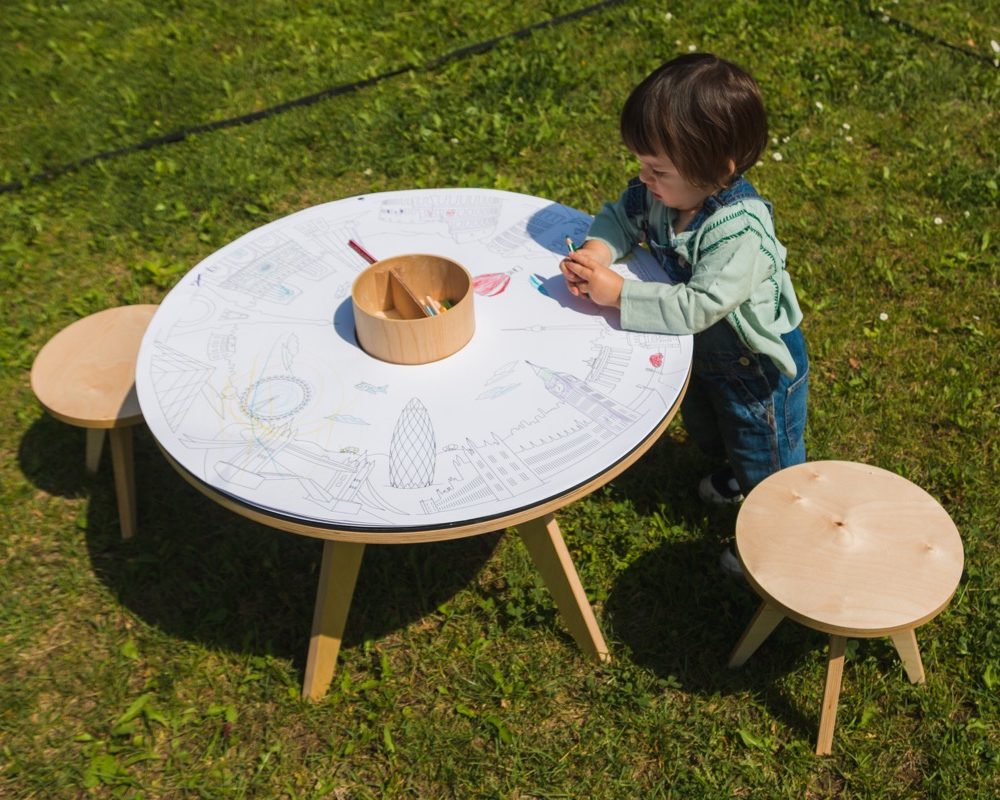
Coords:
850,550
85,375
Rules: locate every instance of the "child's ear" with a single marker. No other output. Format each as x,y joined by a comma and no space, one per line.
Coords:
730,174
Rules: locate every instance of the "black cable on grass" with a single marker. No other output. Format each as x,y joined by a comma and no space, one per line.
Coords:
912,30
307,100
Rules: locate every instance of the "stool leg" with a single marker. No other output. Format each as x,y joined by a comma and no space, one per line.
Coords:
338,573
764,621
95,444
831,694
123,464
906,646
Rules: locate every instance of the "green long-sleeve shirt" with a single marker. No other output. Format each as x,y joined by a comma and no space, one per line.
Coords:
737,272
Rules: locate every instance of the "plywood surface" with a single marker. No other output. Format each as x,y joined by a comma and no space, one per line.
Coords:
85,374
848,548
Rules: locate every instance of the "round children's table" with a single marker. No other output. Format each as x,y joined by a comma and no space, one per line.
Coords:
254,387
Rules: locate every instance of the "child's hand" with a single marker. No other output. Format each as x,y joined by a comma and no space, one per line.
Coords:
587,273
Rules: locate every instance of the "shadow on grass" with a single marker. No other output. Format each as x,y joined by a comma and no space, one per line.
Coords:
52,456
679,616
675,613
205,574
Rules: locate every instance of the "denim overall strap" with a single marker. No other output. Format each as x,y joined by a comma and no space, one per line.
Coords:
635,207
739,189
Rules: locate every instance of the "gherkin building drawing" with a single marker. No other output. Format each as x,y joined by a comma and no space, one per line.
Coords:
412,451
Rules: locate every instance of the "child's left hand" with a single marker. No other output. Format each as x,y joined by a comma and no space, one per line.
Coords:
587,276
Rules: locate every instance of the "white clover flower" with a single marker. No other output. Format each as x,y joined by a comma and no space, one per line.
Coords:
938,221
453,140
774,140
692,48
846,126
777,156
819,105
761,163
668,16
995,45
367,171
784,139
883,316
849,139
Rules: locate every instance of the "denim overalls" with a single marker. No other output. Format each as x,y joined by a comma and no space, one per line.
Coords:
738,405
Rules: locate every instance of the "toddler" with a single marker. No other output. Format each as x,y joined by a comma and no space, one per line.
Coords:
696,124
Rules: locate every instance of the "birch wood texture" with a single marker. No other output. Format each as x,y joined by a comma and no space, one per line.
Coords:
85,376
851,550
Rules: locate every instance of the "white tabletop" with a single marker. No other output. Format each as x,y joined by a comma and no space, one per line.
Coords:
250,378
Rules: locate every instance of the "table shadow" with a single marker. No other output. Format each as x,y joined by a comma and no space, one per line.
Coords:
204,574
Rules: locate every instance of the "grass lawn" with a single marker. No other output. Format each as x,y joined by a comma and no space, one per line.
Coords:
170,666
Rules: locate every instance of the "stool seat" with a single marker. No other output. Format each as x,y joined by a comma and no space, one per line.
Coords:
851,550
848,548
85,376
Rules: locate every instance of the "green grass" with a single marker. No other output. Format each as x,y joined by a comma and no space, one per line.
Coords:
170,666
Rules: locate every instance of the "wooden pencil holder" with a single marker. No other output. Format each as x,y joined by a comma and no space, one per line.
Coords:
390,317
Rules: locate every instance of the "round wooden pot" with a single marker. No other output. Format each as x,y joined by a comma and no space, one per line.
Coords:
390,300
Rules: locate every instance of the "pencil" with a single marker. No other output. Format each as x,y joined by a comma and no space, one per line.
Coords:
357,248
570,245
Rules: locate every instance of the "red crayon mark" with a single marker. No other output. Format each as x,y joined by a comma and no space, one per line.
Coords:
491,284
656,360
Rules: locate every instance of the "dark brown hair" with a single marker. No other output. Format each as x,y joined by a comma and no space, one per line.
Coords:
701,112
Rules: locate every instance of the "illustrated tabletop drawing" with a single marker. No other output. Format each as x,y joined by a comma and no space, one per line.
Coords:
252,383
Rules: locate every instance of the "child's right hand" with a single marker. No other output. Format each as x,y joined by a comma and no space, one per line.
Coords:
587,274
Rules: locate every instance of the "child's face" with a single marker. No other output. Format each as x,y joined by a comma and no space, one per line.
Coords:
661,177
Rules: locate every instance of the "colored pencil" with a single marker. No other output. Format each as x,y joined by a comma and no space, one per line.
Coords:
570,245
357,248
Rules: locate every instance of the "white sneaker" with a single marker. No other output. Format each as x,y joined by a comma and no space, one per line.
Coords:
730,564
720,489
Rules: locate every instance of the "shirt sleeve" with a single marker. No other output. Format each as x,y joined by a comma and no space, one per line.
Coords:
614,227
734,256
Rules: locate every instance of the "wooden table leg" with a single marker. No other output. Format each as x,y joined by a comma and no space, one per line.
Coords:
338,573
123,463
764,621
544,541
906,646
831,694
